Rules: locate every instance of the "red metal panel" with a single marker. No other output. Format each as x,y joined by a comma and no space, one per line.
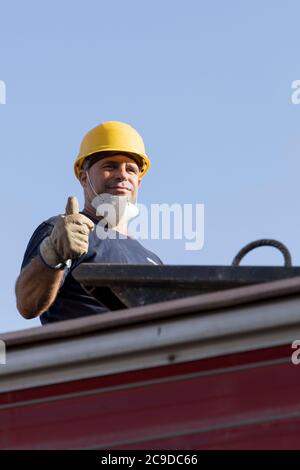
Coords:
217,403
280,435
233,360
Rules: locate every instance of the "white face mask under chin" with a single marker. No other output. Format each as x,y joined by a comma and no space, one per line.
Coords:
114,209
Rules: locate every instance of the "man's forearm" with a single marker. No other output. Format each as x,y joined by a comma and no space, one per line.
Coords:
37,288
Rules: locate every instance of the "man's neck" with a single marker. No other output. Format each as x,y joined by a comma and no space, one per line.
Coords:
90,212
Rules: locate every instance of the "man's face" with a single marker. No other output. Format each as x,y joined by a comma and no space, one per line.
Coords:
116,174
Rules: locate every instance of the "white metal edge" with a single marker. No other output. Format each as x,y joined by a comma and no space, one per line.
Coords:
161,342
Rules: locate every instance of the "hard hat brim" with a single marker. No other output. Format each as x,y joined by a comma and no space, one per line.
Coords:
140,157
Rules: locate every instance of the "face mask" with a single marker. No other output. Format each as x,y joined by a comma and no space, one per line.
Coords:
114,209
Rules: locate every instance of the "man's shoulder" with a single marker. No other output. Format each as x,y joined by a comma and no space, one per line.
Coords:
51,221
42,231
44,228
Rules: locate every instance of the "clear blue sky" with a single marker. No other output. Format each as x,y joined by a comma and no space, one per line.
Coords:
207,84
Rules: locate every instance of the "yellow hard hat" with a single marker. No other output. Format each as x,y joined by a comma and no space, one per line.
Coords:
112,136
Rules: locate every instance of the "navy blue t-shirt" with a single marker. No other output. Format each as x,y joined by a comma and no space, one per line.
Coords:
72,300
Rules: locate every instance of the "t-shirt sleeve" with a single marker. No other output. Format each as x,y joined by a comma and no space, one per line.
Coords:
42,231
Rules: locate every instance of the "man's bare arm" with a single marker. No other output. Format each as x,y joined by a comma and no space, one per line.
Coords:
38,284
36,288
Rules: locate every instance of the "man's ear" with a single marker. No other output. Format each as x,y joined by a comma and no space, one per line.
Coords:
139,181
82,176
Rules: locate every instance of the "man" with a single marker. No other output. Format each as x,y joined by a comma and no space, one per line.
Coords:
110,166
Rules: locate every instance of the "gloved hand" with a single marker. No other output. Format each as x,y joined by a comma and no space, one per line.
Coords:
69,238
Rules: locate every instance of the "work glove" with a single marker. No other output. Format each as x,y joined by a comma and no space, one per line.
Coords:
69,238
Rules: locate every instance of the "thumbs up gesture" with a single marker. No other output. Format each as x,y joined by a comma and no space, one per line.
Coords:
72,206
69,238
